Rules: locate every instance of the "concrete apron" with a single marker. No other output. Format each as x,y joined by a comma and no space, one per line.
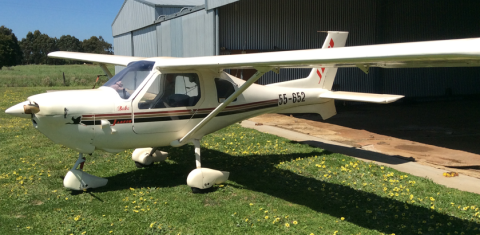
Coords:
462,182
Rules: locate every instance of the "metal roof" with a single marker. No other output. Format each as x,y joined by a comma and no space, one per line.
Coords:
173,2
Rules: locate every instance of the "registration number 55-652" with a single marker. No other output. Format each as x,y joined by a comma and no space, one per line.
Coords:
295,98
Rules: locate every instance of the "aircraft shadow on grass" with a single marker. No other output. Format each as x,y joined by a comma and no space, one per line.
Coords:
258,173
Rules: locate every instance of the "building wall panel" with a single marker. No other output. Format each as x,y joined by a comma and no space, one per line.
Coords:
132,16
187,36
122,46
176,37
164,42
145,42
198,34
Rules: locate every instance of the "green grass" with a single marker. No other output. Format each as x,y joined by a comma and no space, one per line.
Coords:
51,75
301,189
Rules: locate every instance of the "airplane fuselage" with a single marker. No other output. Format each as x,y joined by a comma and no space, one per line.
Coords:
98,119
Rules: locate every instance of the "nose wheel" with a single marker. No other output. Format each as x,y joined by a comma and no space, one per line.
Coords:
77,179
202,179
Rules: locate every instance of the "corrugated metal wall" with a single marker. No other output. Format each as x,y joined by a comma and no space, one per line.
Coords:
145,42
413,20
211,4
270,25
187,36
291,25
198,30
132,16
122,46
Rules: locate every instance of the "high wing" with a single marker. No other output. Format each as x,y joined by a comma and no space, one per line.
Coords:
95,58
448,53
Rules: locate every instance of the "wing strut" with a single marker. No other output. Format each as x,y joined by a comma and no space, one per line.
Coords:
222,106
106,71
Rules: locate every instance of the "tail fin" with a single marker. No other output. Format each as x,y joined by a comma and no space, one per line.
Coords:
324,77
320,77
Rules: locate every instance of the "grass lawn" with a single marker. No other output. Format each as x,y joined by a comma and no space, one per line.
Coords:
52,75
276,186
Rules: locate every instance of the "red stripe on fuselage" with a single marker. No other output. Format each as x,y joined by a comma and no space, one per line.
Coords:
179,111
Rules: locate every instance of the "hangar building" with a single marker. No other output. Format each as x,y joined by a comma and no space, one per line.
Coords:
186,28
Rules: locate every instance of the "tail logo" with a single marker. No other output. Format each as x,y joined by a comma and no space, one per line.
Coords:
331,44
320,74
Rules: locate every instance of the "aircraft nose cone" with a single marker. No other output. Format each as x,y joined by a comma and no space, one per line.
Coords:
18,110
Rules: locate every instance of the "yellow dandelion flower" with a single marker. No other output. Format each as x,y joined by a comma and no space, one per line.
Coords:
266,217
251,204
343,218
287,225
295,222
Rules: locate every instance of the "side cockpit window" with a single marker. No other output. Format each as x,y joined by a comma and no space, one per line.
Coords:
172,90
225,88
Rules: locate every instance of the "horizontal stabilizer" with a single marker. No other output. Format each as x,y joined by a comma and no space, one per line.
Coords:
361,97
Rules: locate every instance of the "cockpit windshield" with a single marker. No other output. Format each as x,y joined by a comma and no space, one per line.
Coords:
128,80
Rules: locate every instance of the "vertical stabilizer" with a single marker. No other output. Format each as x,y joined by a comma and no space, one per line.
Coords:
326,76
320,77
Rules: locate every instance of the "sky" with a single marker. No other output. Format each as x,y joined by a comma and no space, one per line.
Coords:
80,18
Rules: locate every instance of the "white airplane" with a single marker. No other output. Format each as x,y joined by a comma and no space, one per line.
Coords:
158,102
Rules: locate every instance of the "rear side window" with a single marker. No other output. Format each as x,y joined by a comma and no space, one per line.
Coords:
225,88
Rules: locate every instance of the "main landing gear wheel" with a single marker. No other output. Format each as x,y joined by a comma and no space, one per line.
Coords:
202,179
145,157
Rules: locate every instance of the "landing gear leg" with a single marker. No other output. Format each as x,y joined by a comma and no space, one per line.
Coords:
76,179
201,179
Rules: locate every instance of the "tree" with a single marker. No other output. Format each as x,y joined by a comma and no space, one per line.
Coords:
69,43
97,45
10,53
36,46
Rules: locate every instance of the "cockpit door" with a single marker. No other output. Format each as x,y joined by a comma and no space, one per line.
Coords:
167,103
